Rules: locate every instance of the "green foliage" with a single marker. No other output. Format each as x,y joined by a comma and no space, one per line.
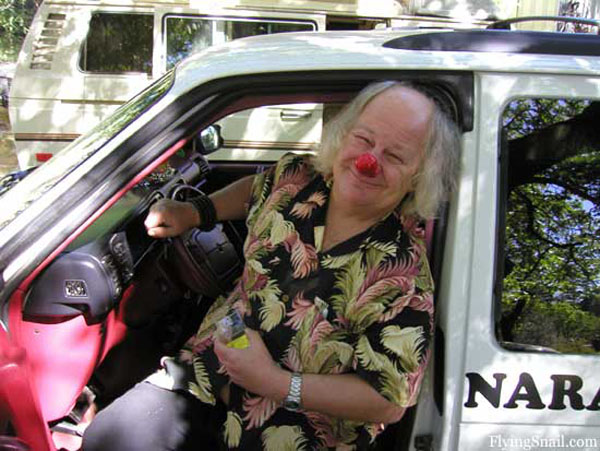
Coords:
523,117
551,292
185,35
559,325
15,19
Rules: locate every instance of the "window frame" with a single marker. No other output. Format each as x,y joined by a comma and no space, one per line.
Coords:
223,18
500,252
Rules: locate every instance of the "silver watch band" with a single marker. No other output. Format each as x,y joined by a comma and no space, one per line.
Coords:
293,400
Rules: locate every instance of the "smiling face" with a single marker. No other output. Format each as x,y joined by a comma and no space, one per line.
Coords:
393,128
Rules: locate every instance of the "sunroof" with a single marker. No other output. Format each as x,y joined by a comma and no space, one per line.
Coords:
502,41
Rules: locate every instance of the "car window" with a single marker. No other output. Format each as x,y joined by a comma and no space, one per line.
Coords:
187,34
118,43
45,177
549,259
267,132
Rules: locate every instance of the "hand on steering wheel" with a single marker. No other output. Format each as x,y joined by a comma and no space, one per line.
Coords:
168,218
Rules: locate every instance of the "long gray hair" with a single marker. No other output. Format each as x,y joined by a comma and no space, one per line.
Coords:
437,176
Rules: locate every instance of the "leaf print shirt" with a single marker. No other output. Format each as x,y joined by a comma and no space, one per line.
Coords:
363,307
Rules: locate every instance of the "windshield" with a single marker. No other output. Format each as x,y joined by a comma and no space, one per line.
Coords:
20,196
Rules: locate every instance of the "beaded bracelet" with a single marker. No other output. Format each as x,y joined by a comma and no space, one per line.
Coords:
206,210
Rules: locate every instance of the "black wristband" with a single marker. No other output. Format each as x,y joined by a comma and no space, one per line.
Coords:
206,210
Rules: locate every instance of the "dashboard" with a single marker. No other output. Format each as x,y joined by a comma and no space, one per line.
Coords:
91,275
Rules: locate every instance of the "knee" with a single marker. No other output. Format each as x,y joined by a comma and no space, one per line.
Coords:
107,432
145,418
120,426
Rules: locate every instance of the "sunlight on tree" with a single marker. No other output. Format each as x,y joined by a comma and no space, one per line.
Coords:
15,19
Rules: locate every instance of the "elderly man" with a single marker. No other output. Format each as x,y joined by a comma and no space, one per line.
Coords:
336,292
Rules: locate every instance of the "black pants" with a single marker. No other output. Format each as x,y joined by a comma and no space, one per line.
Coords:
149,418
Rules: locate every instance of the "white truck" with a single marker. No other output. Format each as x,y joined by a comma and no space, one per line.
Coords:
515,255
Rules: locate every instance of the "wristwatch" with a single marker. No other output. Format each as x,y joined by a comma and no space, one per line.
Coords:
293,400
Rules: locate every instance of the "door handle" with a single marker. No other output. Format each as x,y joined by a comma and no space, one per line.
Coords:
294,115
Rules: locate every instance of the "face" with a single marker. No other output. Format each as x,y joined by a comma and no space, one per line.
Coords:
393,129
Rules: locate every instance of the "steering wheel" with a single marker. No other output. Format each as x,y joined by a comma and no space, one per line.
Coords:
206,261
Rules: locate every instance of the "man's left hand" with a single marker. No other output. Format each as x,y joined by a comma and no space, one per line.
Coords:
253,368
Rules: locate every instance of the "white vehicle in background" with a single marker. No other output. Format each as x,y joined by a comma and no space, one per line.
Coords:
84,58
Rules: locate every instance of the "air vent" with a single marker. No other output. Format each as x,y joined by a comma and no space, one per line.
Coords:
44,46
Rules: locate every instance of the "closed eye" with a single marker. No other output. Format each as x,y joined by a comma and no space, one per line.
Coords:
363,139
394,158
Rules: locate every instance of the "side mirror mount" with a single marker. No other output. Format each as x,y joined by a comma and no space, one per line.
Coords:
209,139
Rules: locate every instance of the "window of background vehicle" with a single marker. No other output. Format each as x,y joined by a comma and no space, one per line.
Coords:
186,34
118,43
280,128
549,265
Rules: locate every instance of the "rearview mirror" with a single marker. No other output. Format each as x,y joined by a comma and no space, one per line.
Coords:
210,139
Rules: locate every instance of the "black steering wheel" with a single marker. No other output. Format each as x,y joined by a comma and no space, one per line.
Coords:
206,261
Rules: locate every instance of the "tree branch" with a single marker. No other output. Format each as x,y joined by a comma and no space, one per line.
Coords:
575,189
531,225
535,152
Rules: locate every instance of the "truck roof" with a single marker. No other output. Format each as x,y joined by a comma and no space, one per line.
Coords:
412,49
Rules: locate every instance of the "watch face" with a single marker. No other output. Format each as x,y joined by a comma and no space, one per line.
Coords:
291,404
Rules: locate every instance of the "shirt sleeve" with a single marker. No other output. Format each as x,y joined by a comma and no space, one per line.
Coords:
264,182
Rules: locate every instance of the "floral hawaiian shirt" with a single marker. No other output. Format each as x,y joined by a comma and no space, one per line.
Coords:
363,307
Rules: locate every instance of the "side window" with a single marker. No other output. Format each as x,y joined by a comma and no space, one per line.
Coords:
288,127
187,34
264,133
118,43
549,263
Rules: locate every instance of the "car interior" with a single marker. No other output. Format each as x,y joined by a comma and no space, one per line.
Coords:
98,317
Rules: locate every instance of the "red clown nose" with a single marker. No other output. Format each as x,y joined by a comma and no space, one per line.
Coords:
367,165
